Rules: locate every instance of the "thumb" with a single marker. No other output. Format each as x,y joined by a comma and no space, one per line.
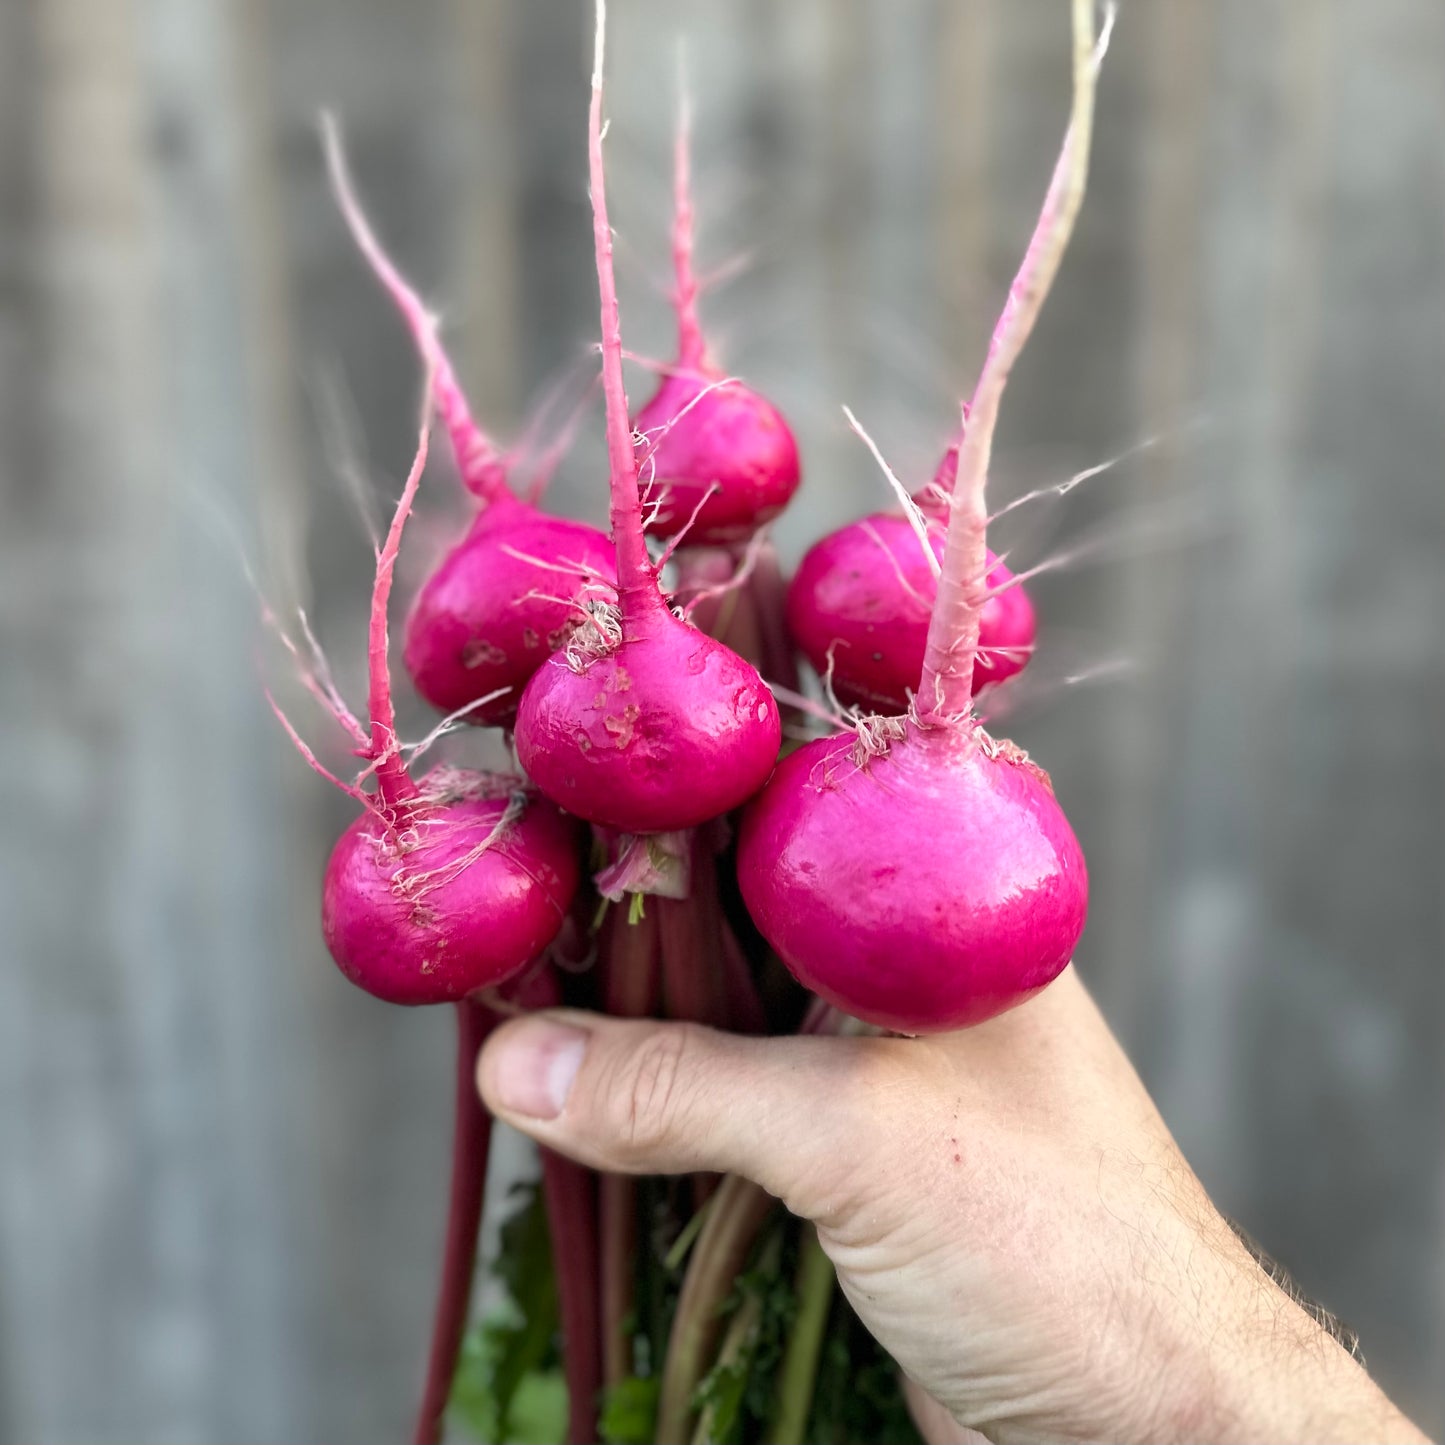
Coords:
645,1097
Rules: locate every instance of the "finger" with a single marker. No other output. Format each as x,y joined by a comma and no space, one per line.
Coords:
641,1096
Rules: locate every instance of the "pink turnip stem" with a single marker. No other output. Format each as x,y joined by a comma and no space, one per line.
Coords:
690,347
636,577
736,1215
471,1137
945,689
482,467
701,982
393,782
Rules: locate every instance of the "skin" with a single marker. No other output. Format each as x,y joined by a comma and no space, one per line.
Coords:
1004,1205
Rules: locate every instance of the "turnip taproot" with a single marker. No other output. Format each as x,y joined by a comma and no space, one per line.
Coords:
642,724
919,874
511,591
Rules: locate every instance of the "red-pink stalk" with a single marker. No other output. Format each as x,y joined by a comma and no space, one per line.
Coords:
617,1247
471,1136
481,464
945,693
703,981
700,983
569,1192
768,591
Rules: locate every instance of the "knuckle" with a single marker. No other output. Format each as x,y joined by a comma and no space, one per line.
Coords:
879,1072
649,1104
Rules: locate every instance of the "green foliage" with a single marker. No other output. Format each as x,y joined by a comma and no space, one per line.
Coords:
857,1398
508,1387
538,1413
629,1412
735,1397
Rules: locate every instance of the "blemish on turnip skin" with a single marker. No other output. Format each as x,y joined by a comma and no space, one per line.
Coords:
480,653
623,725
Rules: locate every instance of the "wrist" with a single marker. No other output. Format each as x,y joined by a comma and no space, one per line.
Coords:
1267,1370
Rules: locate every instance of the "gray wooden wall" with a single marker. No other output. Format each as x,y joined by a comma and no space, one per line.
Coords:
220,1168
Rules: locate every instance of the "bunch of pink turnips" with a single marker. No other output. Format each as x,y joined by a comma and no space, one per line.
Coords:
661,847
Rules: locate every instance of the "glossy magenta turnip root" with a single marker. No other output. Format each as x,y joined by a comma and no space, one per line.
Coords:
858,609
501,602
447,887
920,874
977,908
643,723
662,732
723,458
509,593
463,887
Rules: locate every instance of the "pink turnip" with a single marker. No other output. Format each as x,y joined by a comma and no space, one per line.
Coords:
859,604
920,874
449,885
642,724
717,458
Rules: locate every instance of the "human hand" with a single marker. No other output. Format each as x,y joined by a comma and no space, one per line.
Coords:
1005,1208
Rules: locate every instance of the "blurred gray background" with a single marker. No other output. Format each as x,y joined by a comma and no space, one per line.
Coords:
220,1167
